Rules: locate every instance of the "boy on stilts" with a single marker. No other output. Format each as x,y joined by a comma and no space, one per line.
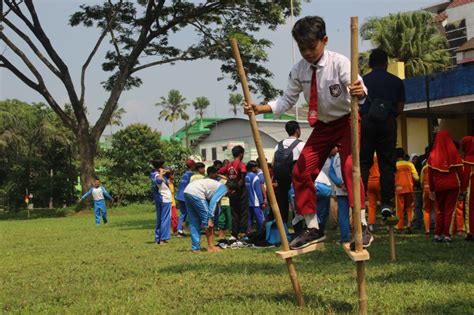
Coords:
324,78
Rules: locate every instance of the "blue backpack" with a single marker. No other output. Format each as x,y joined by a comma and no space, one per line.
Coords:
271,233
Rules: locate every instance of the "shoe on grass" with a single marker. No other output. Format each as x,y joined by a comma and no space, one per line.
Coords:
469,238
447,239
308,237
437,239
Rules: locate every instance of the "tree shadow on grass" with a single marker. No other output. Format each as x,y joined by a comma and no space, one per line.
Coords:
142,224
312,300
455,307
38,213
200,266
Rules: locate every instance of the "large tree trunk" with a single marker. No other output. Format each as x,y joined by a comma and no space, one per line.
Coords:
87,151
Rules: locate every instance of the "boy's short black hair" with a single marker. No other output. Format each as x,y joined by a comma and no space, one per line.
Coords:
232,185
400,153
251,164
217,162
211,170
237,150
199,165
308,30
96,177
378,58
157,163
291,127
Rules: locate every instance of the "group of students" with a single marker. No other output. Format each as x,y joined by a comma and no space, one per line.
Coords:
445,181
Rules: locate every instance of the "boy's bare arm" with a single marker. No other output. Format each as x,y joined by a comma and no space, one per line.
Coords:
256,109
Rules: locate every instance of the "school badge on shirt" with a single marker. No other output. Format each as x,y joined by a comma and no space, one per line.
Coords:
335,90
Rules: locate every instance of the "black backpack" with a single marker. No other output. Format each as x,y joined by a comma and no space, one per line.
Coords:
283,161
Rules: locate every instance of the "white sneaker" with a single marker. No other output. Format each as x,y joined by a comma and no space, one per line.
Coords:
232,238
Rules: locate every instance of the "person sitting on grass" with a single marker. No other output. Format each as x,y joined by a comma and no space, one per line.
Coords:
99,194
202,197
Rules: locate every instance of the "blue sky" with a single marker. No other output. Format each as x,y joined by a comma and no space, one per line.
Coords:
193,79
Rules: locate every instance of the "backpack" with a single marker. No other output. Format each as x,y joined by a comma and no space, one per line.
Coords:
283,161
272,236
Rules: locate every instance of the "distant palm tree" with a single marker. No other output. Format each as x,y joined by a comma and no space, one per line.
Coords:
235,100
200,105
411,38
116,118
174,107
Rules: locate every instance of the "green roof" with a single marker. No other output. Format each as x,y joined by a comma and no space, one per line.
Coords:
196,128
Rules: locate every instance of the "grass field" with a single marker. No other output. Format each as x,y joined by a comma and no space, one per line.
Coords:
68,265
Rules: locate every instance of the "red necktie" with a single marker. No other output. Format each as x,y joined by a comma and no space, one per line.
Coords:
313,100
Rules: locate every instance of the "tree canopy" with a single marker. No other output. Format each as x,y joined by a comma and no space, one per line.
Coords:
410,37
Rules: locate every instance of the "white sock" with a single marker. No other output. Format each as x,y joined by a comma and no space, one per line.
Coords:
311,221
363,220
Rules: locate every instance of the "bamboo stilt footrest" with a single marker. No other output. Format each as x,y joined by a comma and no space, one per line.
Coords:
391,221
296,252
356,256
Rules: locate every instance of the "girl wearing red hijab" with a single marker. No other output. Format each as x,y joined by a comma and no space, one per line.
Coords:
467,185
445,175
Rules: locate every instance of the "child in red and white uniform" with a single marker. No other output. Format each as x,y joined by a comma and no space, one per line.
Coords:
324,77
445,174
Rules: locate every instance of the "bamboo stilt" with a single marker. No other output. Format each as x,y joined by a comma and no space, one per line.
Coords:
266,173
356,166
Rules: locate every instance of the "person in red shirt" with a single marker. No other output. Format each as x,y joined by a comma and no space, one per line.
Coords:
239,204
429,205
467,185
445,174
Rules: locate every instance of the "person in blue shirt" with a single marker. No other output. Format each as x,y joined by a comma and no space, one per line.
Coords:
180,194
201,197
99,194
163,200
256,199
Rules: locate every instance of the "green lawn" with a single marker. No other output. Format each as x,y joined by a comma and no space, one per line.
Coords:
68,265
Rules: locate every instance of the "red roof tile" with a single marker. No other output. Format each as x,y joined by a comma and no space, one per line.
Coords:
457,3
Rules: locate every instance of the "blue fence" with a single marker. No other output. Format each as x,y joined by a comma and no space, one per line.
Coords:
456,82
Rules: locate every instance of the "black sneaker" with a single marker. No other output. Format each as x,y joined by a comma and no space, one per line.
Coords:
437,239
367,239
386,212
469,238
308,237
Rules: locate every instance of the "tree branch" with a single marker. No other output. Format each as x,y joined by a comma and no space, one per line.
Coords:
33,47
86,64
66,79
41,89
164,61
8,65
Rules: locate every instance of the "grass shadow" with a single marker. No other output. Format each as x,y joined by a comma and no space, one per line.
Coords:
38,213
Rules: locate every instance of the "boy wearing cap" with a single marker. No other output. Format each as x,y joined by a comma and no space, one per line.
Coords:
180,195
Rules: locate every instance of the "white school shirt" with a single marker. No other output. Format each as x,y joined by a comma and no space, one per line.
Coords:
203,188
97,193
296,150
333,73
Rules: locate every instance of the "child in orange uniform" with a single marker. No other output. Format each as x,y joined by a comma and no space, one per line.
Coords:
445,174
467,186
405,177
429,205
373,192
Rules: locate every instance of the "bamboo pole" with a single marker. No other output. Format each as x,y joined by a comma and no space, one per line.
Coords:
392,242
356,165
266,174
